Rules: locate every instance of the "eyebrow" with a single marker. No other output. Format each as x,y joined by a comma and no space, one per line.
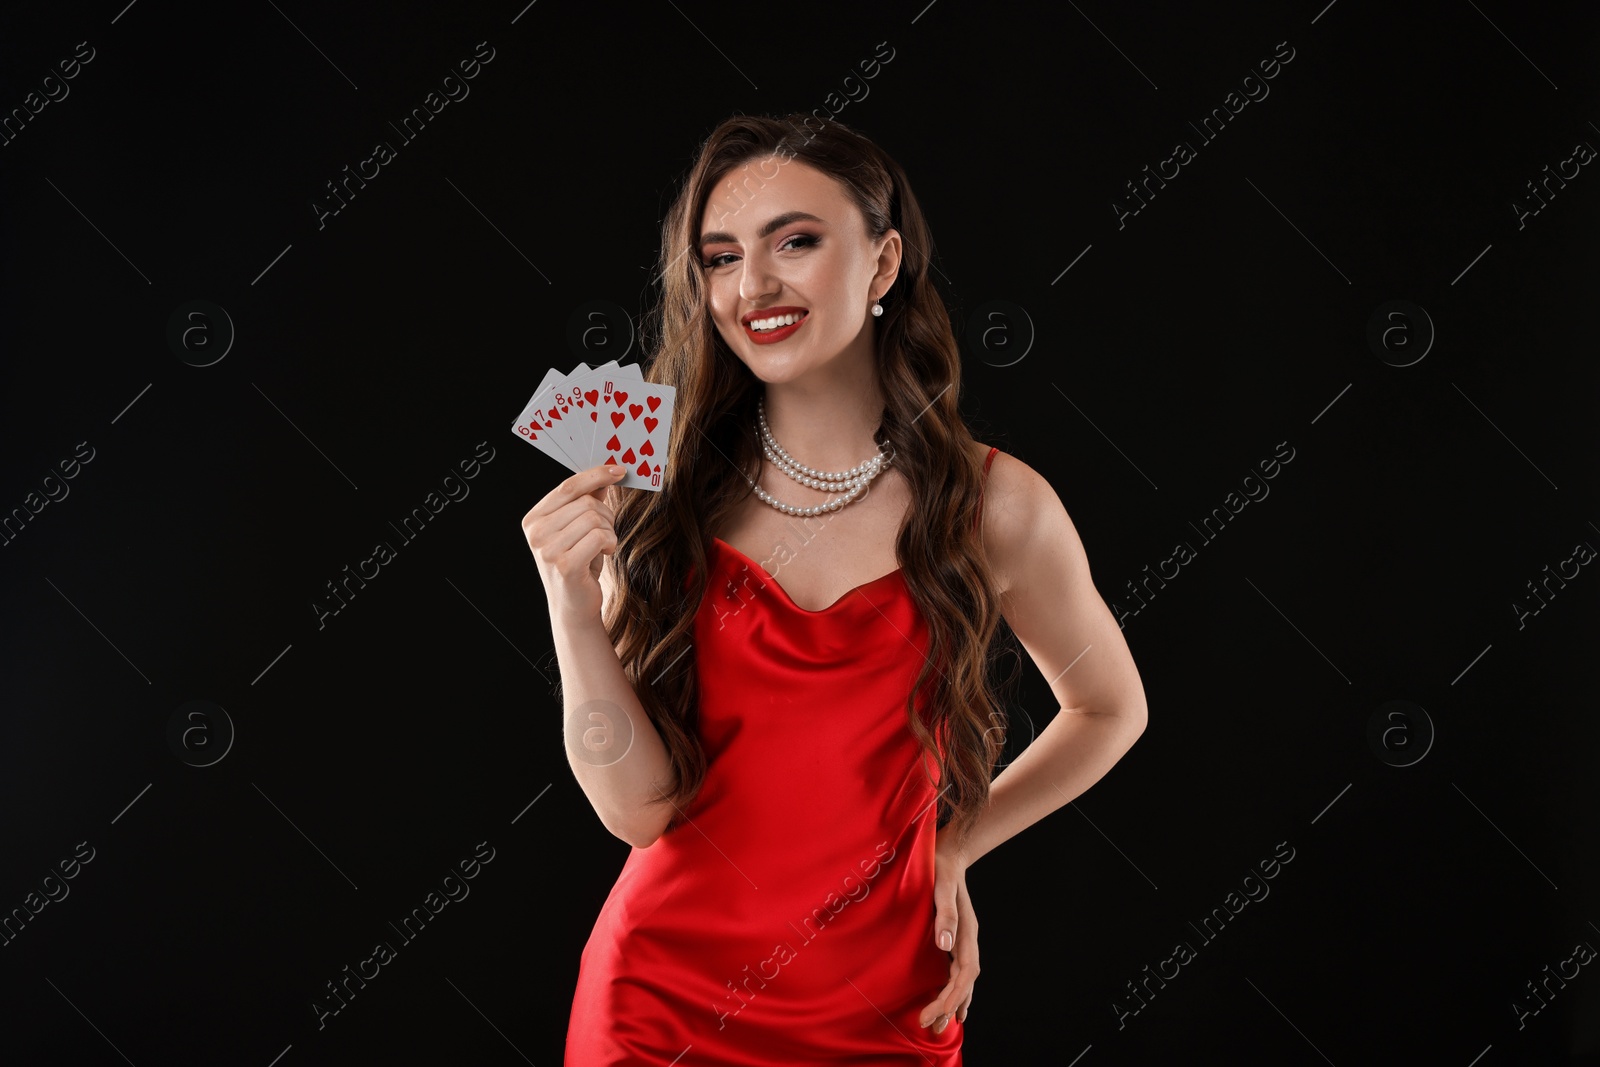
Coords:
773,224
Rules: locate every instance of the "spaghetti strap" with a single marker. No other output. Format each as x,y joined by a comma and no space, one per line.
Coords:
993,450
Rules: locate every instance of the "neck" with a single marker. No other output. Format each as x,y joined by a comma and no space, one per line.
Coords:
827,425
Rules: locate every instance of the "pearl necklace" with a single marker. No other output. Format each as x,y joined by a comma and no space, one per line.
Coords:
853,481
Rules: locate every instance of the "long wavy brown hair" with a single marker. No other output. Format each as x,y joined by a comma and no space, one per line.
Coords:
663,538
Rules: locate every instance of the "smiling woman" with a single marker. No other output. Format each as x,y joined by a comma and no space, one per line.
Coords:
847,713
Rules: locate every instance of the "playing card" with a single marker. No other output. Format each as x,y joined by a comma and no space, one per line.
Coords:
607,414
557,409
633,428
584,389
535,424
578,393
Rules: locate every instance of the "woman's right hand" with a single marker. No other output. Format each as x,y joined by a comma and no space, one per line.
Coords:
568,531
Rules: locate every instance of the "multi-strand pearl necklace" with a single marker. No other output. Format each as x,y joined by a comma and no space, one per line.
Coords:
850,482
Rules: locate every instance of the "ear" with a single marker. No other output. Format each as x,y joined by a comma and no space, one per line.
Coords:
889,249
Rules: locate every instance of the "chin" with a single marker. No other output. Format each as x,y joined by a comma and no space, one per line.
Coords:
771,372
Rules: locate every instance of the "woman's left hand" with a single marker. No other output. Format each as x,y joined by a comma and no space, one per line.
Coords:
953,916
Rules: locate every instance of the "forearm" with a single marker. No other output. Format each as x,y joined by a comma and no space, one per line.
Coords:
614,750
1072,753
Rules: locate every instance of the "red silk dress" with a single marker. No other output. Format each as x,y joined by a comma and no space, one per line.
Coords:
789,920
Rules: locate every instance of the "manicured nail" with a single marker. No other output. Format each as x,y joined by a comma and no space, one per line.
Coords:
945,940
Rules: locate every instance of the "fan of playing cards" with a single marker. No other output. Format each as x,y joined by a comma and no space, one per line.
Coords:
606,415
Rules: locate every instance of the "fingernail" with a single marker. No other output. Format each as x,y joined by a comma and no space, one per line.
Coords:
945,940
613,471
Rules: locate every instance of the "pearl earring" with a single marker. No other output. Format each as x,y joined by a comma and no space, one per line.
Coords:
877,309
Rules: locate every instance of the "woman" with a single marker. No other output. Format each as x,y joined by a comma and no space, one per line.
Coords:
803,768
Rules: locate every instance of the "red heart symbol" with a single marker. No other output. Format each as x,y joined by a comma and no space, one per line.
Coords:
613,444
644,470
647,449
616,419
594,416
653,401
619,398
611,459
634,410
627,457
651,424
592,395
555,414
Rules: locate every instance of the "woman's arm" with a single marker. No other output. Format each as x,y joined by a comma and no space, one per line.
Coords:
613,748
1051,604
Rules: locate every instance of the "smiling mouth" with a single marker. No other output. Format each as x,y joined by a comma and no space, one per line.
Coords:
772,328
774,323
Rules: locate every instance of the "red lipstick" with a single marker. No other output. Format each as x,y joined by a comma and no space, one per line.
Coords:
767,337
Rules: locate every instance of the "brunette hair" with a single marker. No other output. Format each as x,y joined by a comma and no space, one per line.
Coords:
663,538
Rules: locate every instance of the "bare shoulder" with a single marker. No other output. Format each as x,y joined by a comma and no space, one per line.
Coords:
1020,507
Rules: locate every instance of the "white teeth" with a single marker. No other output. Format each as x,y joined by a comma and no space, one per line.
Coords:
775,322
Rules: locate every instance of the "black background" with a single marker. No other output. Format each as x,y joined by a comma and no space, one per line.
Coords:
374,353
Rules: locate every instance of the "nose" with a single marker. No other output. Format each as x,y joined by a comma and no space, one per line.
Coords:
756,281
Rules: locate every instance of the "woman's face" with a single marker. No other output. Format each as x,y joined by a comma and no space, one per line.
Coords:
781,240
